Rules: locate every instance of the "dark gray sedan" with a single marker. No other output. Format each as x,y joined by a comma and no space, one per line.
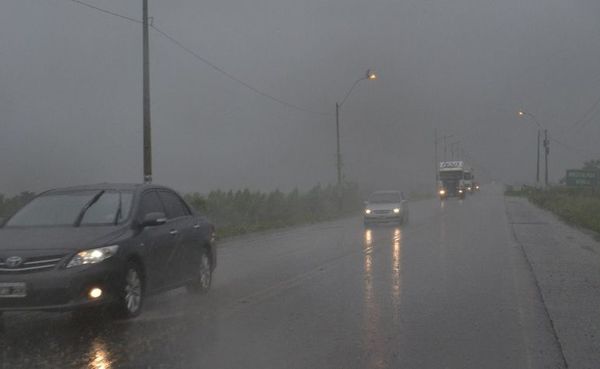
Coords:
103,245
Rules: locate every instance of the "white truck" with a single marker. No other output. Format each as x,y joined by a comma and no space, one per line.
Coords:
451,179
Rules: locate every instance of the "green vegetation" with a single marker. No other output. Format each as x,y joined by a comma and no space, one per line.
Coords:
239,212
580,207
247,211
517,191
8,205
421,195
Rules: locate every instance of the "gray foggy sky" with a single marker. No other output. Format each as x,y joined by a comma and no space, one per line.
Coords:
70,90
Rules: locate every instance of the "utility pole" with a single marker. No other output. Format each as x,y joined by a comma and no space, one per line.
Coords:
455,150
445,147
339,153
537,172
146,99
444,137
435,155
546,151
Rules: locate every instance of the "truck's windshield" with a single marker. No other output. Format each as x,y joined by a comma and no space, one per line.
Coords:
451,175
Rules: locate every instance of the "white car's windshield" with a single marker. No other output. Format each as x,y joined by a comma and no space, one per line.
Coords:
385,197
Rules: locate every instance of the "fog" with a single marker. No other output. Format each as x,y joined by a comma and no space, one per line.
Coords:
71,90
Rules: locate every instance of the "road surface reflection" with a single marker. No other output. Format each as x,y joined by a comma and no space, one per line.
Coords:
378,274
99,355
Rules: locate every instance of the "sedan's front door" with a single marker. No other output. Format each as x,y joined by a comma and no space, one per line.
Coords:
159,243
187,254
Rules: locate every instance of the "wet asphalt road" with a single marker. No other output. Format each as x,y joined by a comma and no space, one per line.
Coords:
448,290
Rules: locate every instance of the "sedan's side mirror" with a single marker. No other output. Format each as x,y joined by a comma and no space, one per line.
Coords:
154,219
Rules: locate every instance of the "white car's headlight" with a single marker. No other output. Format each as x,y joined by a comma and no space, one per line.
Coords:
396,210
92,256
367,211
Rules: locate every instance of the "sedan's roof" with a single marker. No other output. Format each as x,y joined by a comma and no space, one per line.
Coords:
106,186
386,192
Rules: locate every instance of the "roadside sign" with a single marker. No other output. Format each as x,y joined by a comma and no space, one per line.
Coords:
581,178
451,165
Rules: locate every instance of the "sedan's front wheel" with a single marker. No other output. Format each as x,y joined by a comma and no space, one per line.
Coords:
131,296
203,280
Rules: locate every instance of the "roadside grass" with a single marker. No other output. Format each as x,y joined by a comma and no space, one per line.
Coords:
244,211
418,195
580,207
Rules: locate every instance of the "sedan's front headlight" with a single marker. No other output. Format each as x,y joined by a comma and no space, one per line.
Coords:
92,256
367,211
396,210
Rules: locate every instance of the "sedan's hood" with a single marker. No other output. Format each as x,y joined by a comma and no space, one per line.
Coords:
57,238
383,206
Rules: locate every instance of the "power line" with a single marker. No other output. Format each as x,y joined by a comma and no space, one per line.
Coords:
573,149
231,76
106,11
204,60
585,117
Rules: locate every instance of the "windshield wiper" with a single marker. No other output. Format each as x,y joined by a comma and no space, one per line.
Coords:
86,207
119,211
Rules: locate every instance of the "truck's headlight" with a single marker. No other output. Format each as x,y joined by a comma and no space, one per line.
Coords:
92,256
367,211
396,210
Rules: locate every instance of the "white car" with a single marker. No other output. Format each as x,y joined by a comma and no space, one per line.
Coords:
386,206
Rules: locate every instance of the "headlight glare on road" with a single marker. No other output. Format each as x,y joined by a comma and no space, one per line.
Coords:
92,256
367,211
396,210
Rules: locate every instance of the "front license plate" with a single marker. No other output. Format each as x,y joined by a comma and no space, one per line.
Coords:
17,289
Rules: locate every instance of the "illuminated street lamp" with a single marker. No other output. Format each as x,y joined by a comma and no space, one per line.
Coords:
370,75
524,114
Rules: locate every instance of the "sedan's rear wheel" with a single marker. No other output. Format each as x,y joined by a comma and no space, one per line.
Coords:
131,297
202,283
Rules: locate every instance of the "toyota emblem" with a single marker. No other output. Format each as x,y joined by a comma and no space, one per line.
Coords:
14,261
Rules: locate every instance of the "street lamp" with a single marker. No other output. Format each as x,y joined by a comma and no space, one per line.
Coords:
524,114
370,75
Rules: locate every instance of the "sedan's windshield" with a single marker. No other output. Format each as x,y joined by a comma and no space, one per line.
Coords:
74,208
384,197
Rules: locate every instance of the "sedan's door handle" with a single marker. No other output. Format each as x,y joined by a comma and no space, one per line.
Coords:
173,232
196,226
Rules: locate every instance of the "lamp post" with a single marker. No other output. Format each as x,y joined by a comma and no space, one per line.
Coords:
147,135
522,113
370,75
